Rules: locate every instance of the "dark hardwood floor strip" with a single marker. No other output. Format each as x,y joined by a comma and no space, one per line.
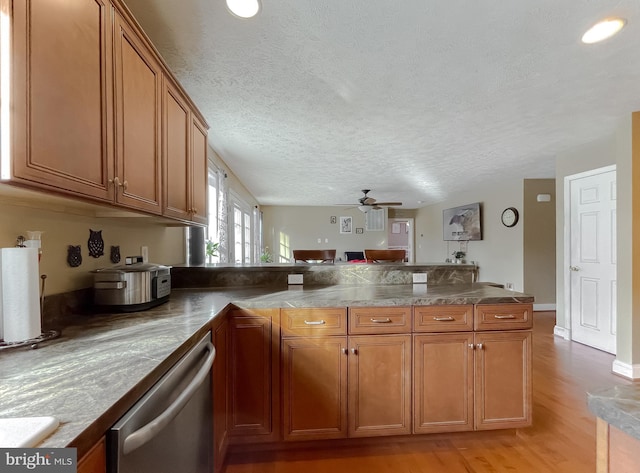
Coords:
561,439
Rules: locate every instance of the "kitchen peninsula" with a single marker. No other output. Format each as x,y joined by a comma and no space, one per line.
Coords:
97,370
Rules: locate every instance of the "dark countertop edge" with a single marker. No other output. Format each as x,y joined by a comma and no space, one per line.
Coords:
287,267
620,412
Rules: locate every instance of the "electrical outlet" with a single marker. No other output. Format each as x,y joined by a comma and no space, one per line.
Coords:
319,240
295,278
419,278
144,252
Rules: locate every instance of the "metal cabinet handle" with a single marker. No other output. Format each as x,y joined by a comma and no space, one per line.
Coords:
381,321
444,319
141,436
116,181
314,322
344,351
125,184
504,316
479,346
194,210
354,351
471,345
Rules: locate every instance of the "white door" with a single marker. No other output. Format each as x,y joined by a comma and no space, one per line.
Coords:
592,267
400,235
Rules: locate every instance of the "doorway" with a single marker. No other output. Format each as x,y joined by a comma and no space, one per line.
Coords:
400,236
591,257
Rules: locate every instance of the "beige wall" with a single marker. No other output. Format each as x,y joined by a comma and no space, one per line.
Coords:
62,228
500,252
295,227
539,241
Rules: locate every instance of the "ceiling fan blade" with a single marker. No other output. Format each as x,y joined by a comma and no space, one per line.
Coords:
389,203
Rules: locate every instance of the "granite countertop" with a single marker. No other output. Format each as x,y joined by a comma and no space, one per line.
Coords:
619,406
90,376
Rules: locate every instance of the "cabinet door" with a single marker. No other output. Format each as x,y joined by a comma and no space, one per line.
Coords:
95,461
199,172
220,394
379,385
254,376
176,153
314,388
138,86
62,100
443,382
503,380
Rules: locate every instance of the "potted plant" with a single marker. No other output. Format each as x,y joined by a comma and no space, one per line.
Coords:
211,248
458,256
266,257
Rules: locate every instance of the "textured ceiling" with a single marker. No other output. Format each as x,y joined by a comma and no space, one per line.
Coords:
418,100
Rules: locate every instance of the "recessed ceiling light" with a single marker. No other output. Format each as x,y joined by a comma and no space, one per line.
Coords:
244,8
603,30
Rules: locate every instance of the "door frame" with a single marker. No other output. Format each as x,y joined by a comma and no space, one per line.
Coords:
411,239
565,331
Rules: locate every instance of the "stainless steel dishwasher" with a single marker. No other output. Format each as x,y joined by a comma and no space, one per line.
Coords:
169,430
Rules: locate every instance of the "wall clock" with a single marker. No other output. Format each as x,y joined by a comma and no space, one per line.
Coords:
510,217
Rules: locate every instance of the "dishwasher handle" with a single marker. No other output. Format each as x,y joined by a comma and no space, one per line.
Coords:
141,436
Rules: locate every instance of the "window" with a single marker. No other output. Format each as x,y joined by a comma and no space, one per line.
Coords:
213,227
242,228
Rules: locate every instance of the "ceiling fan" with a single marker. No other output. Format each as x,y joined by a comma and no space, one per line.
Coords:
368,203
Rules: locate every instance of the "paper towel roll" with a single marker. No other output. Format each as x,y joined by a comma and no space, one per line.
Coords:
20,295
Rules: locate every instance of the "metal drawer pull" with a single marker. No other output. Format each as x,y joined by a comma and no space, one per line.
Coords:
444,319
314,322
381,321
471,345
504,316
479,346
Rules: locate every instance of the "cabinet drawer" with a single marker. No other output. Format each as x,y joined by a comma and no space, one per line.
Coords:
443,318
503,316
379,319
314,322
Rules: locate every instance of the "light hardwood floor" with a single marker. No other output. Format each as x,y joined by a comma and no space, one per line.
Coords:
562,438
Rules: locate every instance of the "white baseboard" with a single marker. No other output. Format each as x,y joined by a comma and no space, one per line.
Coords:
562,332
544,307
626,370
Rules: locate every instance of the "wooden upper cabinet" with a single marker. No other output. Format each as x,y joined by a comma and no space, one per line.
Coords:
137,112
176,153
185,178
62,96
199,171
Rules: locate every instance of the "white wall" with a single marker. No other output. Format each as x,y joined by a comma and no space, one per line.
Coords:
295,227
500,252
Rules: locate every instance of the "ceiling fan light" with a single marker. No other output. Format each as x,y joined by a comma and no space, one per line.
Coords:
244,8
363,208
602,30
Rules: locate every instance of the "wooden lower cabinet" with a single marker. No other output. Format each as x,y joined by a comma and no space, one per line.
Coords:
95,460
379,385
314,372
337,387
443,382
472,381
220,394
254,375
503,380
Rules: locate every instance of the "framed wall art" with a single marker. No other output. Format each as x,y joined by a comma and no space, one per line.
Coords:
462,223
346,224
